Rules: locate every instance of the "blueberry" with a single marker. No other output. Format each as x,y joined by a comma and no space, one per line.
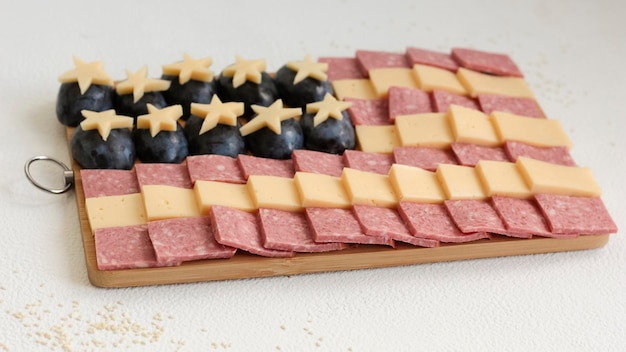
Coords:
70,102
191,92
92,152
222,139
125,105
165,147
265,143
306,91
250,93
331,136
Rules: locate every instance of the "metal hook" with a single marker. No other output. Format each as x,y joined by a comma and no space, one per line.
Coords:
68,175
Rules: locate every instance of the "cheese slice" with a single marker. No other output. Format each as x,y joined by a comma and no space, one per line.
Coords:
472,126
424,130
413,184
501,178
166,202
209,193
544,177
430,78
274,192
384,78
481,83
376,139
534,131
113,211
368,188
323,191
360,88
460,182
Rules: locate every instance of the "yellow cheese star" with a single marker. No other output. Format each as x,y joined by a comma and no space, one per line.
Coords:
269,117
158,120
104,121
86,73
190,68
217,112
138,83
245,70
329,107
308,68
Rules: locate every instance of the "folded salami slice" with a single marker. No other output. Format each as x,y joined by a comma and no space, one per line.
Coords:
254,165
289,231
214,167
370,162
407,101
488,62
556,155
371,59
240,229
176,175
469,154
342,68
523,216
431,58
423,157
576,215
441,101
371,112
339,225
105,182
472,216
317,162
126,247
514,105
185,239
434,222
386,222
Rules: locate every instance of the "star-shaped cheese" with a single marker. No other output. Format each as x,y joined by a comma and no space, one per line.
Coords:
217,112
190,68
329,107
86,74
245,70
138,83
104,121
269,117
308,68
158,120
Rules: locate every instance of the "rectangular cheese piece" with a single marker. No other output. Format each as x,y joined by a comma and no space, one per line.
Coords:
543,177
114,211
368,188
274,192
354,88
460,182
209,193
472,126
424,130
481,83
166,202
501,178
321,191
430,78
413,184
376,139
530,130
384,78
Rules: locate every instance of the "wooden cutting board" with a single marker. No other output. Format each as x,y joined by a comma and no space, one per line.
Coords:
244,265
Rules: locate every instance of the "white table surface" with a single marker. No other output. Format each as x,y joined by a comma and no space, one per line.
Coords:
573,55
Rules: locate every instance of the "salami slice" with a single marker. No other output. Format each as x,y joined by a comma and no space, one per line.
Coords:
514,105
365,161
431,58
432,221
185,239
317,162
423,157
472,216
556,155
468,154
176,175
369,59
240,229
342,68
102,183
126,247
289,231
254,165
371,112
214,167
339,225
407,101
386,222
522,216
488,62
576,215
441,101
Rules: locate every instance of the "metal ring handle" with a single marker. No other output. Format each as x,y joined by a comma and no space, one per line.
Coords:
68,175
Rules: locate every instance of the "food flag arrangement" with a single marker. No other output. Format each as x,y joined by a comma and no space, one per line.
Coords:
384,150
